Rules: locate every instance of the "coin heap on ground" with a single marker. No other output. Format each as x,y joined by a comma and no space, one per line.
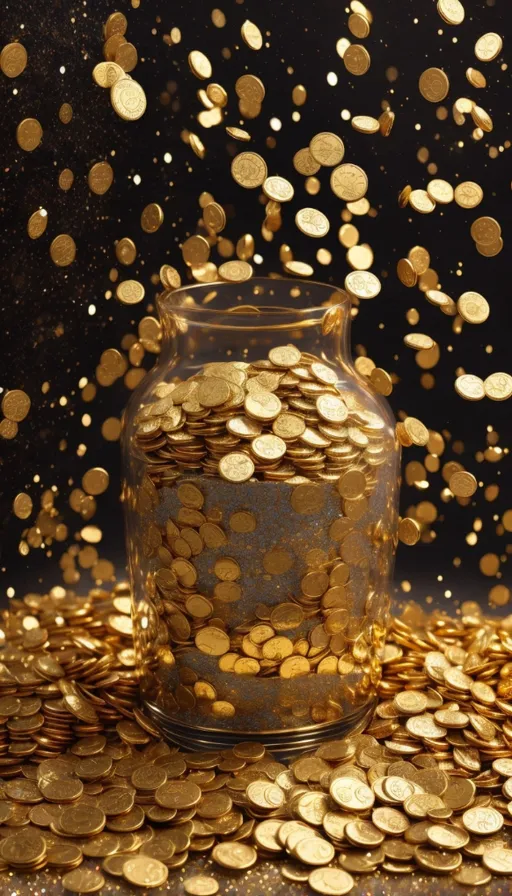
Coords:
86,776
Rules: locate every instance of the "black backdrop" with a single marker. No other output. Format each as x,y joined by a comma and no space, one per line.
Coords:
49,334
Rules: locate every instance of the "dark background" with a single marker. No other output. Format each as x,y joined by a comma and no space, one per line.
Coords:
49,335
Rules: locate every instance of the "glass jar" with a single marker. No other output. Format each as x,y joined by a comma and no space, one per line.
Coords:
262,476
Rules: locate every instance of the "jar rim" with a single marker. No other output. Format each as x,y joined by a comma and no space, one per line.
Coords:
175,300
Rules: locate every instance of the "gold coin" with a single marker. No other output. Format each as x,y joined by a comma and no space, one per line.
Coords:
200,65
440,862
350,793
349,182
13,59
29,134
409,531
151,218
250,89
200,885
440,191
128,99
249,170
294,666
304,163
212,641
100,178
238,134
447,836
406,272
356,59
278,189
498,386
83,880
386,122
365,124
419,341
482,820
37,223
476,78
470,387
312,222
498,859
236,467
362,284
451,11
234,855
434,85
299,268
268,447
105,74
143,871
314,851
22,506
126,251
126,56
326,149
421,202
63,250
488,47
358,25
331,881
485,231
252,35
15,405
214,217
463,484
130,292
473,308
235,271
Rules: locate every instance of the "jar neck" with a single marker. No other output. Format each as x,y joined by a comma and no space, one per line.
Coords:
201,338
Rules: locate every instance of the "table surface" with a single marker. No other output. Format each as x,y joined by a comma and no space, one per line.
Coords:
264,879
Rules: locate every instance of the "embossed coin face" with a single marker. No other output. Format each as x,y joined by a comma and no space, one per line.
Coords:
331,881
349,182
237,856
349,793
356,59
106,74
143,871
312,222
434,85
482,820
13,59
249,170
128,99
278,188
470,387
452,11
362,284
488,47
498,386
473,308
327,149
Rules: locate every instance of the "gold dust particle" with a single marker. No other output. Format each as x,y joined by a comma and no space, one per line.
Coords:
29,134
22,506
15,405
130,292
100,178
251,35
128,99
63,250
434,85
151,218
13,59
111,429
200,65
37,224
218,18
95,481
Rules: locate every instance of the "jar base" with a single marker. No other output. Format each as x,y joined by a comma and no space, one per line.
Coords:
282,744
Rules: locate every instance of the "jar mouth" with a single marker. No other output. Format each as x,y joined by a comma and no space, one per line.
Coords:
259,301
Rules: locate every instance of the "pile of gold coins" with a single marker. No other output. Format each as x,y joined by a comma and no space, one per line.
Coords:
276,419
85,774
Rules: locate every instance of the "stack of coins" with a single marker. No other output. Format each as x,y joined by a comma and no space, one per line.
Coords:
427,787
